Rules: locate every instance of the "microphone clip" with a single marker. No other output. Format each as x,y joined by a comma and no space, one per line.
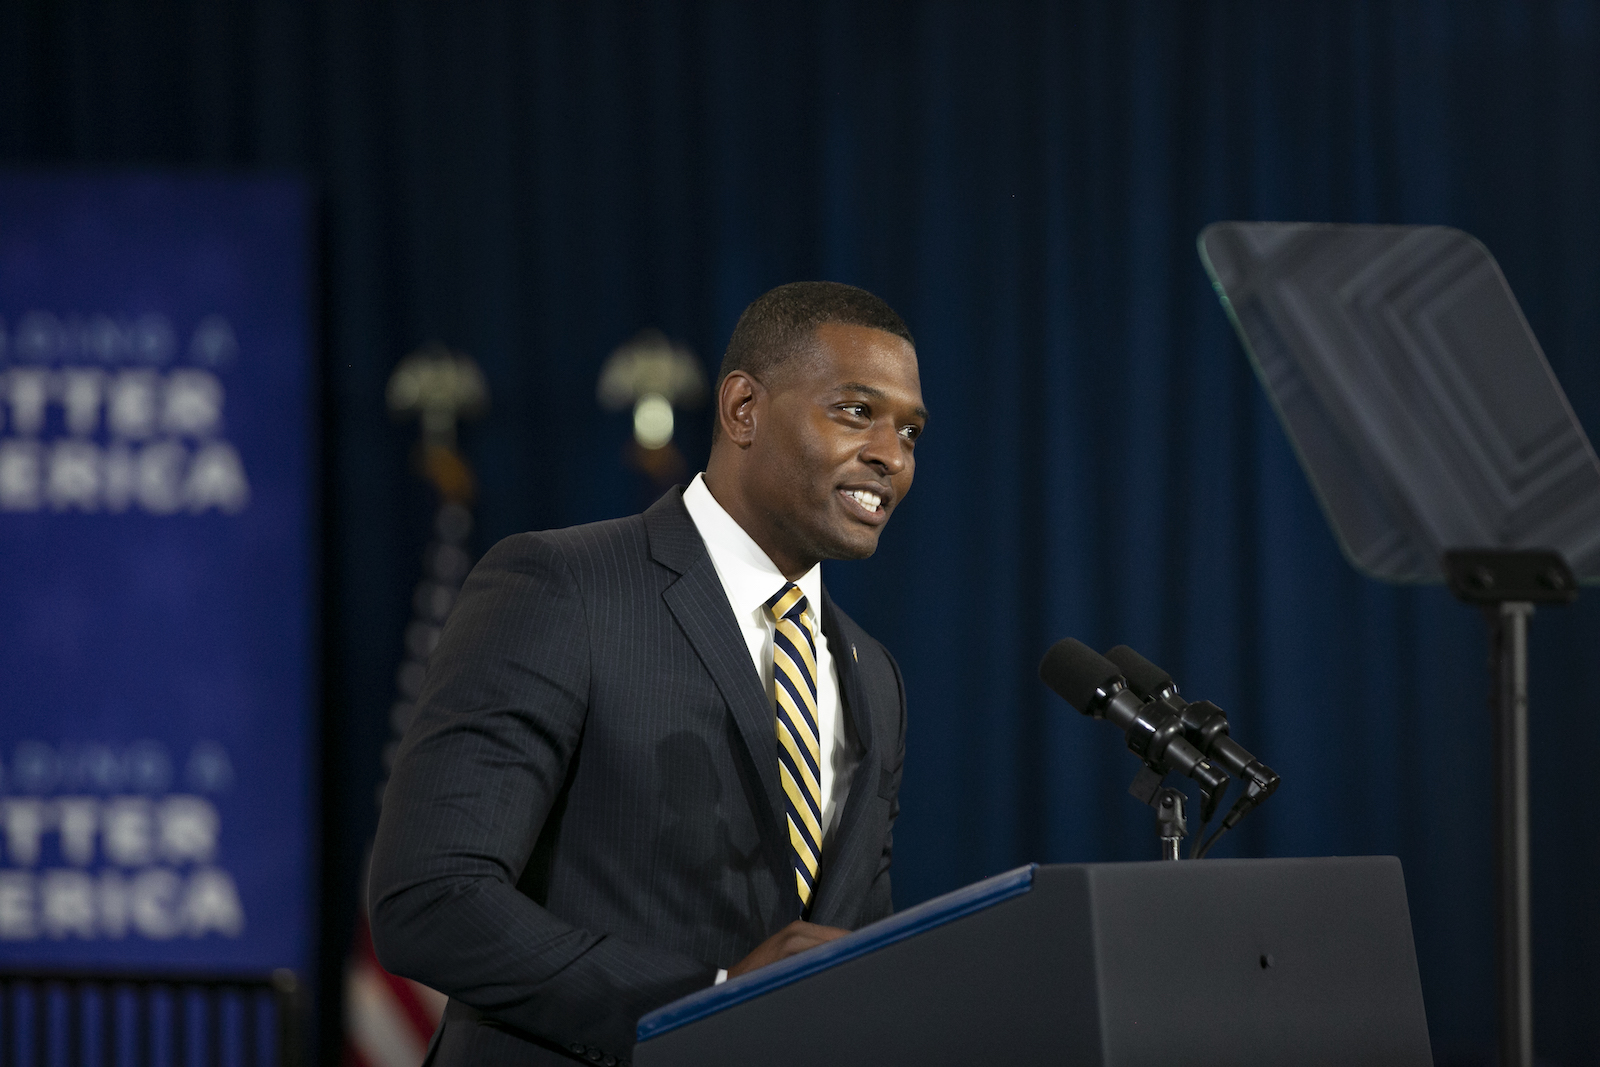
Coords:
1172,823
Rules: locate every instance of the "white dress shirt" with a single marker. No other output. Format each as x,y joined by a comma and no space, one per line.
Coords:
750,578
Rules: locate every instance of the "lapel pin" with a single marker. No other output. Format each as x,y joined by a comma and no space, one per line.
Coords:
854,655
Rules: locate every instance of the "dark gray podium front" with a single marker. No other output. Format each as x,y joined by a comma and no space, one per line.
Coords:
1258,962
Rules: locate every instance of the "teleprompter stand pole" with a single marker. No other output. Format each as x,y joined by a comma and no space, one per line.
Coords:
1507,584
1508,657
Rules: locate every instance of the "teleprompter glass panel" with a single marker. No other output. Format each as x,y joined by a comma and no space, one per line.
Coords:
1413,390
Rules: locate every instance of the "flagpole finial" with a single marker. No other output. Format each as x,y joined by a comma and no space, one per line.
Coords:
653,376
440,388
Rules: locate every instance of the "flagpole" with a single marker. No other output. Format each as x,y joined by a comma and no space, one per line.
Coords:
388,1020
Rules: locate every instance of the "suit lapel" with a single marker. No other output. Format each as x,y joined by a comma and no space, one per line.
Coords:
700,605
849,859
842,640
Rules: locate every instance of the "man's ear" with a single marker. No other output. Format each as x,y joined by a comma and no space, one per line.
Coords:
736,407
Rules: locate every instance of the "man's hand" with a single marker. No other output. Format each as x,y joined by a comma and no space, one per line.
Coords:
796,937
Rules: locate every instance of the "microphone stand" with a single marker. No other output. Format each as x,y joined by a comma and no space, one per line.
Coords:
1172,823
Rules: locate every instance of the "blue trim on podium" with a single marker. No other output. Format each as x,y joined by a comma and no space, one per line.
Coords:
898,927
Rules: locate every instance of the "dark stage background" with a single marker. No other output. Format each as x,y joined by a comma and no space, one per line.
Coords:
1024,182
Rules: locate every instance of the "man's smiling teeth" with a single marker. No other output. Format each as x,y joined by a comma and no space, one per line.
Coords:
867,499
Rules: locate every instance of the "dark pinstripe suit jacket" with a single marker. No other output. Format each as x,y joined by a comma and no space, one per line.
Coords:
583,821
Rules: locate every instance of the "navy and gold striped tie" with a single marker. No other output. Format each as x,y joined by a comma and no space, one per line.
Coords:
794,686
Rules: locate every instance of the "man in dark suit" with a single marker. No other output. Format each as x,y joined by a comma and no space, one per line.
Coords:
651,752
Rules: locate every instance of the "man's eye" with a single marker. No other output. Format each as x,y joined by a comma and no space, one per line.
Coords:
910,433
858,410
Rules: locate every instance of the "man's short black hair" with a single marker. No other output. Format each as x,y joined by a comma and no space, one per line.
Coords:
778,324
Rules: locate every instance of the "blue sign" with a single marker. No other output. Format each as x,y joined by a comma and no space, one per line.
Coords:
157,594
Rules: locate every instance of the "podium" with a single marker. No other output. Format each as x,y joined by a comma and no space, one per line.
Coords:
1280,961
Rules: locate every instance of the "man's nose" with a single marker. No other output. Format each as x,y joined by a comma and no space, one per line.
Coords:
883,450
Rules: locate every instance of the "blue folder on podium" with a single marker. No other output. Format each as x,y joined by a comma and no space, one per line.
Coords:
898,927
1291,961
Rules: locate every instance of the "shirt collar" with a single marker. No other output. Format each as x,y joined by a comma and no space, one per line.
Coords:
749,577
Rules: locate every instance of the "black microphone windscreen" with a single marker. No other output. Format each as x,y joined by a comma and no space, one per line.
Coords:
1142,676
1076,671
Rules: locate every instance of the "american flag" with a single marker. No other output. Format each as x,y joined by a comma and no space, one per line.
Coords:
387,1019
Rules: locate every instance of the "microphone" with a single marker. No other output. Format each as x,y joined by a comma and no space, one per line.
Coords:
1204,724
1206,727
1093,684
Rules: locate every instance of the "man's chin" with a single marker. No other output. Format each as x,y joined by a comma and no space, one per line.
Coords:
847,548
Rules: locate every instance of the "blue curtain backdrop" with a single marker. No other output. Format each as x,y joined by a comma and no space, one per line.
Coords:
1024,182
